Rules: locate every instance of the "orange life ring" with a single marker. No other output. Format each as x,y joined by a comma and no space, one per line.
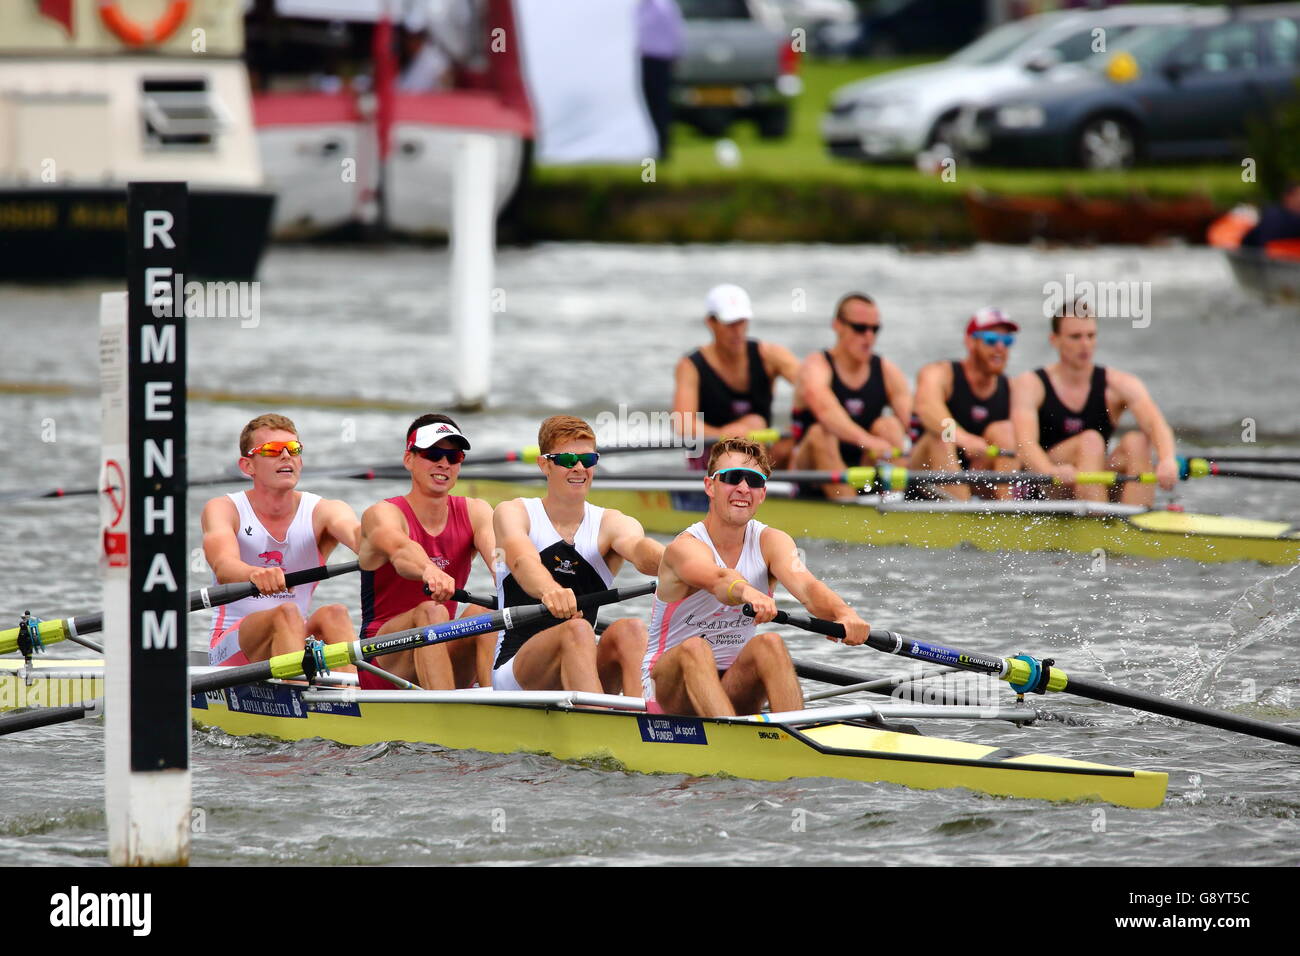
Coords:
132,34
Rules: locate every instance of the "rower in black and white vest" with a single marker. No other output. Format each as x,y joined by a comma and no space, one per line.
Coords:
705,656
963,408
556,548
1065,414
730,381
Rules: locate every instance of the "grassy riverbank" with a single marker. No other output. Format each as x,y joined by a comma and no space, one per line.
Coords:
793,189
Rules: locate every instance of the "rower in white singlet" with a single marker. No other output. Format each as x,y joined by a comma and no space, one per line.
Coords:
726,629
260,534
704,656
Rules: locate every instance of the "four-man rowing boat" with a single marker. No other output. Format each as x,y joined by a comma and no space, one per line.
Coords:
668,507
844,742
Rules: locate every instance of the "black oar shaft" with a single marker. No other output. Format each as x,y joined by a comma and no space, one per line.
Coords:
892,643
1192,712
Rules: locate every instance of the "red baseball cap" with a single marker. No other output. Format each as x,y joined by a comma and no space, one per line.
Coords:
990,318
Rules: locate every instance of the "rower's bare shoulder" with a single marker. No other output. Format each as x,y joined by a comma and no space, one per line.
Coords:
1028,383
478,510
775,541
1125,385
219,511
939,371
382,513
511,516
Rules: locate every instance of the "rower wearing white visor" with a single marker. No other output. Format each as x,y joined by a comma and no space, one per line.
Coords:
705,655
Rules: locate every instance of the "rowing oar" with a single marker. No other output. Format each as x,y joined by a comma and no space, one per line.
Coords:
1028,675
1205,467
1233,458
322,658
527,455
33,634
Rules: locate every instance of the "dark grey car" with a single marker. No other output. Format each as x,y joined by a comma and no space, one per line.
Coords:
1172,93
738,64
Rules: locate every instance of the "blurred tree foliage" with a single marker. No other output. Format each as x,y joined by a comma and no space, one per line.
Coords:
1274,137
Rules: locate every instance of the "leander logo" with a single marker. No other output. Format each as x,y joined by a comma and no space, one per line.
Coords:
76,909
272,558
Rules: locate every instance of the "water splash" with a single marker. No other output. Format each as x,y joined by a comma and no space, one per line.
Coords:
1265,612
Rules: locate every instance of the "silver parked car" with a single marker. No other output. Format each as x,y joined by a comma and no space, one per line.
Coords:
739,64
894,116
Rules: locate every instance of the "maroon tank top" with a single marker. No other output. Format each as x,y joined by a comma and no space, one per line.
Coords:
386,594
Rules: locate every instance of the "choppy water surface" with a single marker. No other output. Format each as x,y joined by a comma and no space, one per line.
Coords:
584,329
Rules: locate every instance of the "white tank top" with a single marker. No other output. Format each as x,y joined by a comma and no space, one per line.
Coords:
724,626
297,552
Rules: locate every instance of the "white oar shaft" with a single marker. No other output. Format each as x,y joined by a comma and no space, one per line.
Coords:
881,683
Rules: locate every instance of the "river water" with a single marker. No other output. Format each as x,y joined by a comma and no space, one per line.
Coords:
585,328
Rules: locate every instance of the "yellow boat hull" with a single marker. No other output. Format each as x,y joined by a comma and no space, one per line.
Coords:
697,746
1151,534
52,683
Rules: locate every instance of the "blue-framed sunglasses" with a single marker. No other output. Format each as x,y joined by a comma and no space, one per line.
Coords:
734,476
996,338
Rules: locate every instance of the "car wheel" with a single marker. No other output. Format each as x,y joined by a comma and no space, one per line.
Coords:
1107,142
773,123
943,137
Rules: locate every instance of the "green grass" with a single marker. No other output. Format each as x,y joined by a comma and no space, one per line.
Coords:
801,160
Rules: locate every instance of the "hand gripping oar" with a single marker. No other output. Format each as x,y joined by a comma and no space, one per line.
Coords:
33,634
322,658
1029,675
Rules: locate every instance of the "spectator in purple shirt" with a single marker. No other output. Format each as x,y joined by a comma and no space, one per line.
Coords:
661,35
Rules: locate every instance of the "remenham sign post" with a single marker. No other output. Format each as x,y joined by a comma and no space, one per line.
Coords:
142,539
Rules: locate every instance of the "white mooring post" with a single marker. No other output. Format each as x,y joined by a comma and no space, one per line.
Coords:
142,507
473,242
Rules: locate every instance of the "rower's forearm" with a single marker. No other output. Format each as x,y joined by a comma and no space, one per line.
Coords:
647,556
531,575
824,603
410,561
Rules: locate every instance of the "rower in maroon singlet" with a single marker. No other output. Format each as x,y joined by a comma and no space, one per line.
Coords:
1064,416
416,550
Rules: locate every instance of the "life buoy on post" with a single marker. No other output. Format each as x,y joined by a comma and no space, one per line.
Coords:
132,34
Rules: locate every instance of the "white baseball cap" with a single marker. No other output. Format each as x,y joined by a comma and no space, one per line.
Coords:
728,303
426,436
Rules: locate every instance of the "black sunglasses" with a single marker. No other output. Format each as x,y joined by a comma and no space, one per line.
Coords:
861,327
734,476
453,455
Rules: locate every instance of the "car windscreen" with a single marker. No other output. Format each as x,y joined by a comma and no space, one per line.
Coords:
998,44
714,9
1148,45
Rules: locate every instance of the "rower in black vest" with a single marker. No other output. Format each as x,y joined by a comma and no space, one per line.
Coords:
1065,414
720,403
1056,422
863,404
841,394
728,383
964,407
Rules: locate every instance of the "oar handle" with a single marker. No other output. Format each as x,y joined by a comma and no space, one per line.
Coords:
338,655
219,594
461,596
